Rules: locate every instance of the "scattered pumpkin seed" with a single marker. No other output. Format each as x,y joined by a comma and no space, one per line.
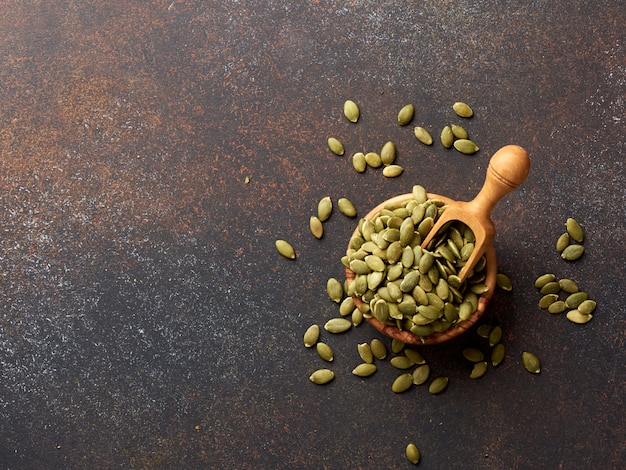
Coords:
575,230
572,252
317,229
311,335
479,369
587,306
412,453
285,249
364,370
569,286
324,351
562,242
574,300
358,162
459,132
466,146
351,111
484,330
392,171
405,115
379,350
347,306
365,352
447,137
557,307
334,289
322,376
401,362
473,354
402,383
497,354
420,374
552,287
324,208
397,346
335,146
357,317
423,135
388,153
531,362
338,325
548,300
495,336
373,159
544,279
462,109
576,316
414,356
346,207
438,385
503,282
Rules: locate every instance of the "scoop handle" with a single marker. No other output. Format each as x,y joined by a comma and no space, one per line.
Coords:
508,168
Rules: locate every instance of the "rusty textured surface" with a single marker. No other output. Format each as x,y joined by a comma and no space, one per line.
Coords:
145,318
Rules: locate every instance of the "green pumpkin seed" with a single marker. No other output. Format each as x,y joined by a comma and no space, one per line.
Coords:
575,316
346,207
335,146
495,336
285,249
480,369
334,289
388,153
438,385
544,279
462,109
365,352
379,350
420,374
358,162
572,252
551,288
575,230
402,383
324,351
419,194
447,137
405,115
473,354
574,300
569,286
497,354
322,376
324,208
311,336
364,370
466,146
351,111
557,307
414,356
397,346
347,306
587,306
503,282
423,136
392,171
357,317
562,242
373,159
412,453
338,325
548,300
317,229
484,330
401,362
459,132
531,362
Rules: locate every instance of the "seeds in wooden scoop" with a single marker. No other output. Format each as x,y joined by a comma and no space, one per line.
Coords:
346,207
324,208
322,376
285,249
423,135
351,111
412,453
335,146
317,229
531,362
405,115
462,109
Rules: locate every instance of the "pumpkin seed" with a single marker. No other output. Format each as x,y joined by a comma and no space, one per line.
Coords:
587,306
365,352
322,376
346,207
335,146
572,252
548,300
334,289
317,229
397,346
373,159
324,351
466,146
459,132
347,306
285,249
462,109
569,286
358,162
574,300
473,354
551,288
423,136
401,362
484,330
311,335
438,385
357,317
480,369
392,171
420,374
544,279
562,242
379,350
351,111
402,383
557,307
419,194
447,137
414,356
531,362
338,325
495,336
503,282
388,153
576,316
324,208
497,354
364,370
405,115
575,230
412,453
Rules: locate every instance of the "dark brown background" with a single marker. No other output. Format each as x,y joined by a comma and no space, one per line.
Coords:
146,320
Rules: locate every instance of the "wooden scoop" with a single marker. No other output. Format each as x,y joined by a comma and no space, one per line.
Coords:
507,169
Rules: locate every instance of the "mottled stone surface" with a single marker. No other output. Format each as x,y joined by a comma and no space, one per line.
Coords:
146,320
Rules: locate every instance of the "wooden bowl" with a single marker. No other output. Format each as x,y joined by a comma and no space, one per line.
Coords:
491,271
